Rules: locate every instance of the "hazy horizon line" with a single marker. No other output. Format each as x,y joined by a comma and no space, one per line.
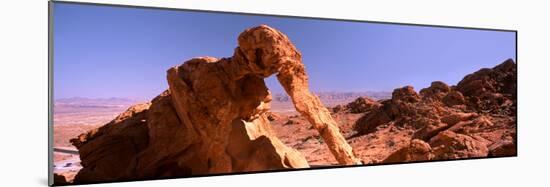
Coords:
272,93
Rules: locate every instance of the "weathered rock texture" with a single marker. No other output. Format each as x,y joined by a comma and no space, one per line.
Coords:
416,150
271,52
474,119
212,119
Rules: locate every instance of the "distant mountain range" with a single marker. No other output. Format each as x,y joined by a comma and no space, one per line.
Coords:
95,100
280,100
74,104
337,97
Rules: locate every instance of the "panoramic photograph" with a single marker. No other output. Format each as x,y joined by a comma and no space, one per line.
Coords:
149,93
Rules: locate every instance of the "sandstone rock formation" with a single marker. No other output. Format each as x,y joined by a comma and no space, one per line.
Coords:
359,105
437,123
474,119
416,150
212,119
273,53
492,90
446,145
449,145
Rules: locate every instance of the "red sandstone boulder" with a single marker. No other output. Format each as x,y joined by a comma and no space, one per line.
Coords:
437,90
405,94
449,145
416,150
362,105
107,152
453,98
399,109
503,148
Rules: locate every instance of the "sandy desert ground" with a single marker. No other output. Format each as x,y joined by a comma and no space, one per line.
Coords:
74,116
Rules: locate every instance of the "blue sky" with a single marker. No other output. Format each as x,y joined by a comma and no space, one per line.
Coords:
102,51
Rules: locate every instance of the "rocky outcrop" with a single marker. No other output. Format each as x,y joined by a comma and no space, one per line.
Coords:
449,145
212,119
453,98
492,90
399,110
359,105
475,118
505,147
446,145
106,152
416,150
437,90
